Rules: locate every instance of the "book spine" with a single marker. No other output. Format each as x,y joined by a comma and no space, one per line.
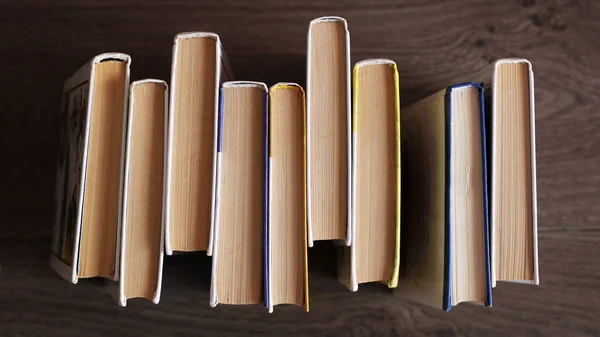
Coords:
118,238
162,229
536,272
305,220
215,237
486,218
307,142
124,208
170,122
447,292
393,283
222,74
353,283
349,224
266,222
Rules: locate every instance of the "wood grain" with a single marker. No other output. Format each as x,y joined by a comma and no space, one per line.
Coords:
35,301
433,43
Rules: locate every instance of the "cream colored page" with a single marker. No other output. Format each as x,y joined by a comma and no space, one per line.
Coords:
193,137
287,195
375,238
512,209
328,135
103,172
423,210
466,199
240,244
145,190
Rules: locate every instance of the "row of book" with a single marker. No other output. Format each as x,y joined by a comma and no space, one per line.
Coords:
438,201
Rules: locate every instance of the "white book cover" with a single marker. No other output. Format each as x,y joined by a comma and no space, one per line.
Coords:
72,164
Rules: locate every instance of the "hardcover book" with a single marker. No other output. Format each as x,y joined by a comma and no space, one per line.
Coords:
445,256
239,262
328,115
287,260
199,67
142,233
375,209
510,101
89,175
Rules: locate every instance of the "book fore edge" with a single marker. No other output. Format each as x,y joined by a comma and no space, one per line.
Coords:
348,239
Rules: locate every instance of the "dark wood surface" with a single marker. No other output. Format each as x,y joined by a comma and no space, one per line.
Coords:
433,42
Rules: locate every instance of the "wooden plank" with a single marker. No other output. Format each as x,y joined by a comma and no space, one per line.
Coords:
35,301
45,41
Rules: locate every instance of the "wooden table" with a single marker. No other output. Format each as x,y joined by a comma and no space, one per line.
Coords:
433,42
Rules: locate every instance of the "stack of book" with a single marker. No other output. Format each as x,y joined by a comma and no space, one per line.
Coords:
438,201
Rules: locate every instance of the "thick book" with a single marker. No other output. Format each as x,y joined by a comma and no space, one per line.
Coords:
328,115
239,260
445,253
510,101
90,165
199,67
142,231
287,260
375,251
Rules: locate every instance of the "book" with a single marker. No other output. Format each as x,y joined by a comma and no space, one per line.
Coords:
199,67
142,231
445,256
328,114
287,266
513,195
375,251
89,175
240,245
